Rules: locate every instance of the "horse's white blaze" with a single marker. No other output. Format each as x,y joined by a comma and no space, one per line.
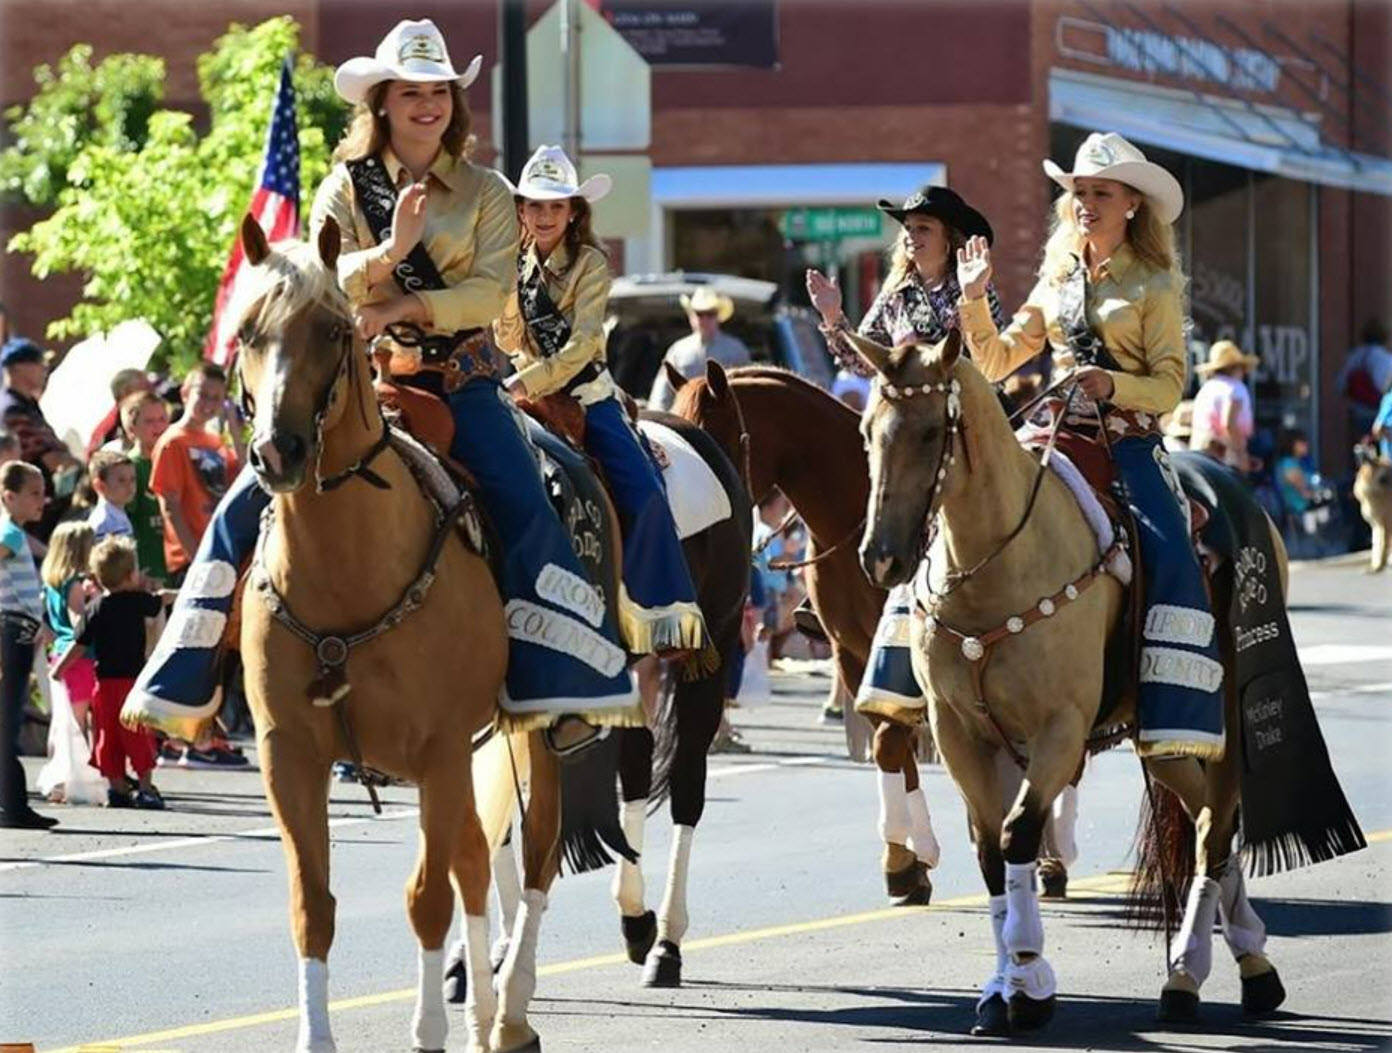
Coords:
1192,950
1244,932
921,837
894,808
628,881
517,978
672,919
480,1004
265,449
429,1025
315,1035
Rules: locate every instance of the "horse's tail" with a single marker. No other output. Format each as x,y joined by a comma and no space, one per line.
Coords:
500,766
1165,858
664,733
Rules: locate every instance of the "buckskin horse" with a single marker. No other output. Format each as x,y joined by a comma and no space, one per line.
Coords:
360,585
1011,658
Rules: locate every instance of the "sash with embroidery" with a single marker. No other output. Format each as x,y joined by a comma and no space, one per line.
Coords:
918,308
377,199
1087,347
548,326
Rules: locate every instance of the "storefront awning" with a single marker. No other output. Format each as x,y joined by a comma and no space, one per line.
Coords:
782,186
1262,138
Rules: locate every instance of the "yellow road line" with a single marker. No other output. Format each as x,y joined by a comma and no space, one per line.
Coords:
1111,883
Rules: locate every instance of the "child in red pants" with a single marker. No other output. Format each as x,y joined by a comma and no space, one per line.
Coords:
115,629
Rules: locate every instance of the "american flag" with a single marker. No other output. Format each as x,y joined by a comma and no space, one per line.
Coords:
275,204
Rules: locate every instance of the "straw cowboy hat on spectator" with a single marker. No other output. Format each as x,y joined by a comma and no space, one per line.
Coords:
703,300
549,175
411,51
1109,156
1224,354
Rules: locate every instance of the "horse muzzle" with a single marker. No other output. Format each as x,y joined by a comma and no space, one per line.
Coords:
883,565
281,461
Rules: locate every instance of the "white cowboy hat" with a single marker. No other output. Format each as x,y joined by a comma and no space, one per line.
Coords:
411,51
707,299
1109,156
549,175
1224,354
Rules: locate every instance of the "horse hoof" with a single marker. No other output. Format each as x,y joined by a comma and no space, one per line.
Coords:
515,1038
1053,879
911,886
639,935
1262,994
1030,1014
663,967
992,1019
1179,1007
456,982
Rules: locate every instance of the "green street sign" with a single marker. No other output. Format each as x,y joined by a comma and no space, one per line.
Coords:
830,224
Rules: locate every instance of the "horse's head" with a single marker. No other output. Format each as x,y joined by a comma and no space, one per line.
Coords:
911,429
710,404
295,337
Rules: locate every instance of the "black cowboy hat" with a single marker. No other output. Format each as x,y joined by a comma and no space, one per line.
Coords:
947,205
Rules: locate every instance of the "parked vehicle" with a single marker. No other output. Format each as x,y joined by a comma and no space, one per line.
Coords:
646,318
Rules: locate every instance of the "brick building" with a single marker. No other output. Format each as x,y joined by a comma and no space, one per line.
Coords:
1274,115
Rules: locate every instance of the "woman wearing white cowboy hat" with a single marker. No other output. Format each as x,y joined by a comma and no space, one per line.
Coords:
553,327
1223,417
1109,301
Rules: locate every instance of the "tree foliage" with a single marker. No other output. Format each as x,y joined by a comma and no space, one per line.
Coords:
150,219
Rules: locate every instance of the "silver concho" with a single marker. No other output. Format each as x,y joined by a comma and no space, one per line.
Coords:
972,649
1015,624
1071,591
1046,606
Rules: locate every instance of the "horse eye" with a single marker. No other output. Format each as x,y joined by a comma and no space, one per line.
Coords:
247,334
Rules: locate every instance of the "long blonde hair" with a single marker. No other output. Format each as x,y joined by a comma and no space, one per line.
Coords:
901,261
1152,242
370,131
69,550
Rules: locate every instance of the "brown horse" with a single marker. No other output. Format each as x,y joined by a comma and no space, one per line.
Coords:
339,558
941,449
790,434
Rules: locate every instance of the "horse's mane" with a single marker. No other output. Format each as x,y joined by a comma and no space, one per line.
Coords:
282,285
689,394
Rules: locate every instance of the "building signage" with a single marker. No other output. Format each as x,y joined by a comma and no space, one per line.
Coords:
699,33
1149,52
830,224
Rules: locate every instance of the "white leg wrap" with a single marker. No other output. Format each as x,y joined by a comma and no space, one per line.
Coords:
315,1035
480,1004
429,1025
1192,950
1024,928
1244,932
672,918
1066,825
628,880
517,978
996,984
507,889
894,808
921,837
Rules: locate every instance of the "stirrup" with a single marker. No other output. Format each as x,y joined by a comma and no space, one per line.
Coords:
571,734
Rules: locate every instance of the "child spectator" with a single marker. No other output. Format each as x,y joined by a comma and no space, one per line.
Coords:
113,478
192,466
21,630
64,574
111,430
115,628
145,417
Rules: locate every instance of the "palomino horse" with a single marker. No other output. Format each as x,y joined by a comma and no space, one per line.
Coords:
941,448
806,443
341,558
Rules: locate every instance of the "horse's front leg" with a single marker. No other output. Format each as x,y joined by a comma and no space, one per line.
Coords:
296,776
911,847
699,705
469,867
540,852
635,780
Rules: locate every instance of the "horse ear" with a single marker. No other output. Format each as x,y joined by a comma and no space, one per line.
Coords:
875,355
716,379
951,349
254,243
675,376
330,242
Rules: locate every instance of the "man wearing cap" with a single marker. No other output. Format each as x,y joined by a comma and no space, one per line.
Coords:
26,377
706,309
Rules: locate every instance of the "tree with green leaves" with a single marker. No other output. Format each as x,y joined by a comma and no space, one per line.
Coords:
149,215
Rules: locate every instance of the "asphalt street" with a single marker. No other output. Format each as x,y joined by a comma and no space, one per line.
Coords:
168,931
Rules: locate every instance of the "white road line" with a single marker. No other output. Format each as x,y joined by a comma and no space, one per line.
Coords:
199,841
1343,654
1360,689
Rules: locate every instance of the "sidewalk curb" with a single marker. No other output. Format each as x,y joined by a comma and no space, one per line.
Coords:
1346,559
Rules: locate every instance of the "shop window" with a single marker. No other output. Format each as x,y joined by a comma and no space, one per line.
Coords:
1216,221
1284,252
